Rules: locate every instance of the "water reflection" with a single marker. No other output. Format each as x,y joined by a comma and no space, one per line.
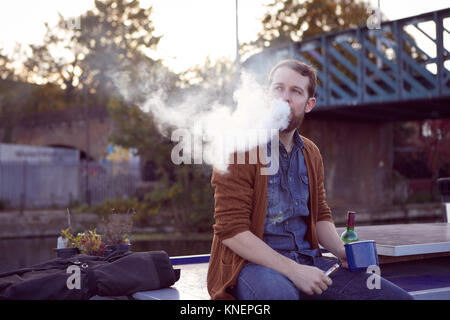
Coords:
25,252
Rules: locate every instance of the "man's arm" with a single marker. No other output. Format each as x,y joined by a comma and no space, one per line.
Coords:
233,206
306,278
330,240
325,228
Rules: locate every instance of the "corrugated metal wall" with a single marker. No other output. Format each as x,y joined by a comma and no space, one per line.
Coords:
39,185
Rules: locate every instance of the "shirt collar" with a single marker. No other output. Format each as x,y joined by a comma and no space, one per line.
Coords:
298,140
298,143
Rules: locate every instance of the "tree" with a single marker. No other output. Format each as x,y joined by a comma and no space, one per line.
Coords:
6,71
14,96
422,154
182,192
11,64
294,20
57,60
113,34
216,80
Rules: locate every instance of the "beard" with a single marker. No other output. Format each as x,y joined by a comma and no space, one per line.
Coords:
294,122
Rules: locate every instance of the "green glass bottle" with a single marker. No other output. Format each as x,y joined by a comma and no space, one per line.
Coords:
349,235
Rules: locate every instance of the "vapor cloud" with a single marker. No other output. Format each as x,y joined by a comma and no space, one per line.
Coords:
208,132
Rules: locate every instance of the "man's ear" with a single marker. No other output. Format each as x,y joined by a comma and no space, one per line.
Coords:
310,104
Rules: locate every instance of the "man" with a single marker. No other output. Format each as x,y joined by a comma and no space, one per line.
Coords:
268,227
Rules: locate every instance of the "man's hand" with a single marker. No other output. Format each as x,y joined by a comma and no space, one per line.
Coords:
310,280
342,256
306,278
330,240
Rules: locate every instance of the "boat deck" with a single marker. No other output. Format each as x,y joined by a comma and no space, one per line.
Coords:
407,239
191,286
416,257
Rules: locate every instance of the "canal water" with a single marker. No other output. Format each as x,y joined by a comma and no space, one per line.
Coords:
25,252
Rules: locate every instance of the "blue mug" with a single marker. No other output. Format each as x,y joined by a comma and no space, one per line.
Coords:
361,255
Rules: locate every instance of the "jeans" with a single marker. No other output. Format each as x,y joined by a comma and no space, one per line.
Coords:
256,282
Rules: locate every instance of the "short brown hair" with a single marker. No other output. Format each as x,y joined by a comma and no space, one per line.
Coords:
301,68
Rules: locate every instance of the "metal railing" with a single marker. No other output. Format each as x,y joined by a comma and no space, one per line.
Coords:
405,59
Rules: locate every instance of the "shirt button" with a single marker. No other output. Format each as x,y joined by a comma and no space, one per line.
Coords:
296,203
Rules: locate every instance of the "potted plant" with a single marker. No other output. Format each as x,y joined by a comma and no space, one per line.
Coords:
66,245
88,242
117,228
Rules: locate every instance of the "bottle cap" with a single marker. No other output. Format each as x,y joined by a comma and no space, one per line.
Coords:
350,219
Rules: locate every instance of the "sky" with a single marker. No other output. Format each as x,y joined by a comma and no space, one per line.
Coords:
193,29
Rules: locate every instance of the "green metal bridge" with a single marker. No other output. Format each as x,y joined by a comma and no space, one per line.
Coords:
400,71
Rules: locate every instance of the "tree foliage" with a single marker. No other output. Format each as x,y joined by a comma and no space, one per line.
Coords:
6,70
114,33
109,55
294,20
425,147
181,192
216,80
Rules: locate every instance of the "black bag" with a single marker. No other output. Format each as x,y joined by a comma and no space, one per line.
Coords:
81,276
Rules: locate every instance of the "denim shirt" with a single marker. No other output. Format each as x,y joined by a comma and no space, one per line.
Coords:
287,203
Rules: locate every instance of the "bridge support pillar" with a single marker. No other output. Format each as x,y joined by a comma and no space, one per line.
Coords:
358,160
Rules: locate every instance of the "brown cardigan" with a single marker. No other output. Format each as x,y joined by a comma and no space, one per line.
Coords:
240,205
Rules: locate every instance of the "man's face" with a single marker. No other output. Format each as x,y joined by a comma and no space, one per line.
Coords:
292,87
